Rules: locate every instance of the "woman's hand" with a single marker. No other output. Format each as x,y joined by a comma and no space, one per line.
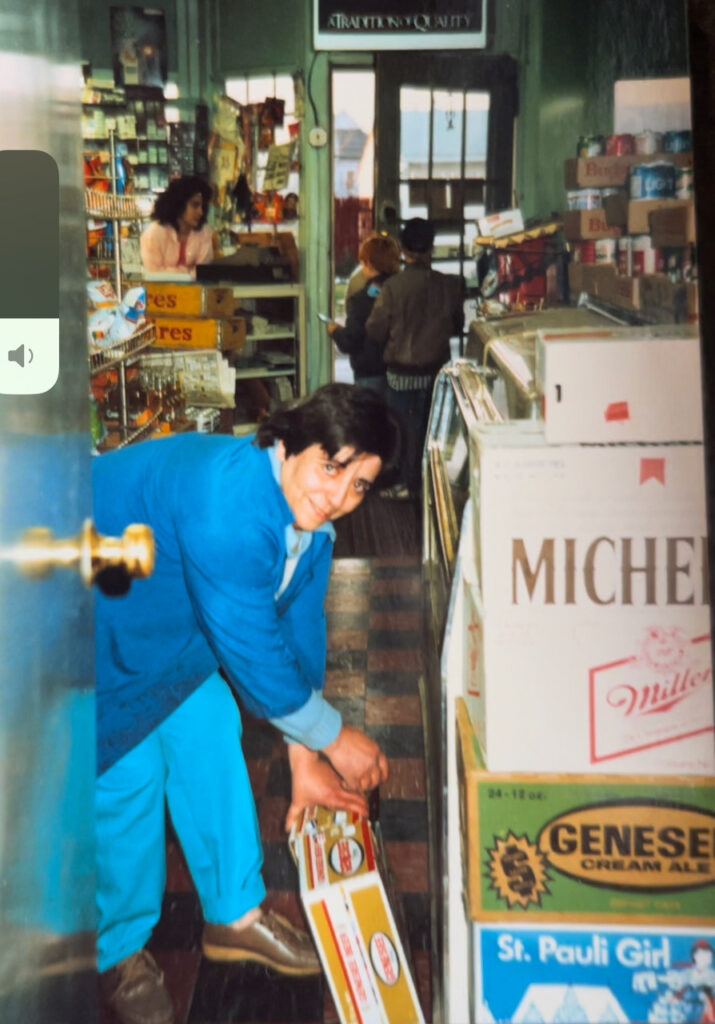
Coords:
313,781
358,759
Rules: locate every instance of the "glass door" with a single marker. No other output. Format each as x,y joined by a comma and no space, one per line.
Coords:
451,159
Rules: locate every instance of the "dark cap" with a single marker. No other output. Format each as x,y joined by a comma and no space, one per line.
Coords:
417,235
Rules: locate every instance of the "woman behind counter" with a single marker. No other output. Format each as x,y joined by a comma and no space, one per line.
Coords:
179,236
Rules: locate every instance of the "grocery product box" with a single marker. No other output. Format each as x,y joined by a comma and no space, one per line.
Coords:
587,224
199,332
342,878
590,604
591,974
606,171
624,291
664,299
594,278
620,384
673,226
501,224
634,215
574,848
169,298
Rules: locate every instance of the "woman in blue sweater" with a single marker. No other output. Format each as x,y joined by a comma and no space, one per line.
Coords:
243,534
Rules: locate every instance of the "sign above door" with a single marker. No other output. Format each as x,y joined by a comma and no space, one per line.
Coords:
399,24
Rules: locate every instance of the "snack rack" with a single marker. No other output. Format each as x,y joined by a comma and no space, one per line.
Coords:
116,208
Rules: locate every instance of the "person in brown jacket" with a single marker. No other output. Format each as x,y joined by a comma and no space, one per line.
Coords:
414,317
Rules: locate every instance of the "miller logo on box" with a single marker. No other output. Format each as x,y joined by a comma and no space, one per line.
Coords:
653,697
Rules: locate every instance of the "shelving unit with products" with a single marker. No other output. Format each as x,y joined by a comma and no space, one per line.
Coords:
275,351
127,409
136,115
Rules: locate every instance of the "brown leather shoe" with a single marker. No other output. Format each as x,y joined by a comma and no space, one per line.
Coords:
271,940
134,990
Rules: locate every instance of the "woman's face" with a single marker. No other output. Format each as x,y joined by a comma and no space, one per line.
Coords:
193,212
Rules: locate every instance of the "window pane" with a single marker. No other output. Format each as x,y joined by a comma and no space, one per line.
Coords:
476,141
414,132
412,203
447,134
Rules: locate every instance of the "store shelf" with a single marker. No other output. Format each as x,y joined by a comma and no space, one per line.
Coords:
123,351
257,371
135,435
107,206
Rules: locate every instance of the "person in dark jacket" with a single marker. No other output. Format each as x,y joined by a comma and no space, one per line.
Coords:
379,259
413,319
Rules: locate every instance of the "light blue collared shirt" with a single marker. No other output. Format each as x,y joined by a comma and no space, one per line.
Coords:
317,723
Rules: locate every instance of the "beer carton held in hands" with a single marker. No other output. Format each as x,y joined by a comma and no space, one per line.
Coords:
342,875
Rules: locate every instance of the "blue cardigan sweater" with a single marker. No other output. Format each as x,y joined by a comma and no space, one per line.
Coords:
219,519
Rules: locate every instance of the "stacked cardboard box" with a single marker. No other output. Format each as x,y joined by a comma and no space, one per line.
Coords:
665,290
195,316
344,888
585,732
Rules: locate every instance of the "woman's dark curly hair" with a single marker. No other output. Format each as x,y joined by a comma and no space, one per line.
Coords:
172,202
336,416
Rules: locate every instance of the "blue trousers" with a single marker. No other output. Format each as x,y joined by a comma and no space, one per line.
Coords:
194,760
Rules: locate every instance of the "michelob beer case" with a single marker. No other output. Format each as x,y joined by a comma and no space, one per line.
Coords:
592,974
620,385
342,876
601,848
587,606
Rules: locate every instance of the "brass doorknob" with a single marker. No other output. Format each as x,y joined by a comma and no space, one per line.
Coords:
38,552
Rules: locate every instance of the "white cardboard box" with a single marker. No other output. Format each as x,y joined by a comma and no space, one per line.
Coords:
620,385
588,625
340,869
590,973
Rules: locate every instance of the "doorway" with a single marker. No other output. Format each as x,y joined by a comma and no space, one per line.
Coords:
353,122
444,129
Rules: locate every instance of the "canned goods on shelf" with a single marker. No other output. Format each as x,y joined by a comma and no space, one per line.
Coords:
648,141
584,251
620,145
643,255
625,255
684,184
672,263
583,199
605,250
652,181
677,142
590,145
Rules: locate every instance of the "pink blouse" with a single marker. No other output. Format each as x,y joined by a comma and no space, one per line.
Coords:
160,248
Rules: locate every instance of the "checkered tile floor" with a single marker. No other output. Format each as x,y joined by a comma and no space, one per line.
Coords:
374,664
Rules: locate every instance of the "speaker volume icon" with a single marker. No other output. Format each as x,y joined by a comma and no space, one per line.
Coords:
17,355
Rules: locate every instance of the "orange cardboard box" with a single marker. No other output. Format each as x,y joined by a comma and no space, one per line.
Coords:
588,224
606,171
634,215
674,226
199,332
664,299
625,291
169,298
594,278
